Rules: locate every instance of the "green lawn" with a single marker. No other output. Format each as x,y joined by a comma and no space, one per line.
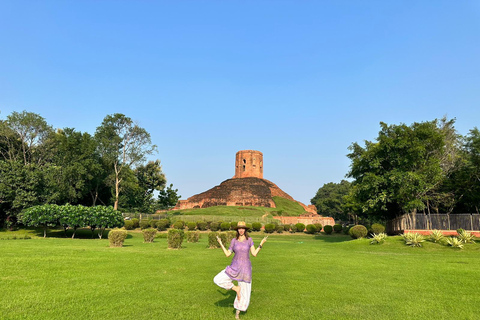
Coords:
294,277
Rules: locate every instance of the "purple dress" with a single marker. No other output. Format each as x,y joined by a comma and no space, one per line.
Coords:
241,268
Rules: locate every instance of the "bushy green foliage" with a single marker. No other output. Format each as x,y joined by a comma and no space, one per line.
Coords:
280,228
233,224
136,223
128,225
191,226
337,228
178,225
378,238
201,225
224,226
214,226
152,223
149,234
318,226
300,227
193,236
413,239
249,226
377,228
293,228
144,224
175,238
212,240
328,229
346,229
116,237
269,227
287,227
311,228
436,236
358,232
256,226
162,224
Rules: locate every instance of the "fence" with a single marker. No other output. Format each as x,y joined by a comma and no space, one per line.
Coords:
442,221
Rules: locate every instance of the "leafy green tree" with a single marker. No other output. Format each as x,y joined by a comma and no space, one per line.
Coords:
168,197
329,200
45,216
102,217
403,171
123,144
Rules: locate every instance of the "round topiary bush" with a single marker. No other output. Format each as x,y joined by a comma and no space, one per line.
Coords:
233,225
178,225
287,227
162,224
144,224
318,226
153,223
337,228
136,223
293,228
128,224
311,229
256,226
202,225
328,229
214,226
269,228
191,226
225,226
358,232
249,226
280,229
377,228
300,227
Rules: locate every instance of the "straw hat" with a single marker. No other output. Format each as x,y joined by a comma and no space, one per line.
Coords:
241,224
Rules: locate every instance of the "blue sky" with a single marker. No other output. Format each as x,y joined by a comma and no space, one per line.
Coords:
298,80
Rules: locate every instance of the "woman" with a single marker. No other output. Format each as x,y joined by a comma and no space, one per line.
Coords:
240,269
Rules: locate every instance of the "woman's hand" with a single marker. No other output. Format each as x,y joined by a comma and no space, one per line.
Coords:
263,241
219,241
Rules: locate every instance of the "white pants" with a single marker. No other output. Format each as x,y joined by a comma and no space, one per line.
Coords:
224,281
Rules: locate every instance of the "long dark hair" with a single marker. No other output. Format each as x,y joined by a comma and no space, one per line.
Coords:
245,234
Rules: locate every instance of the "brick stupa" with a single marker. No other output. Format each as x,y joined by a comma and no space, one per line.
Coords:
246,188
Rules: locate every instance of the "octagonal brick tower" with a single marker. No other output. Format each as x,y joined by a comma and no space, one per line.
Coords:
249,164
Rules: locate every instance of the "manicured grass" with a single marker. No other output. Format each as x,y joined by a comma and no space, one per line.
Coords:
294,277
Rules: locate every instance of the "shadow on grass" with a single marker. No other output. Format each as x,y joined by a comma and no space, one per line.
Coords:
85,233
228,301
332,238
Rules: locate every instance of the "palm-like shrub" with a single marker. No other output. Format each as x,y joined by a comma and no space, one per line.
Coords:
413,239
436,236
466,237
454,242
378,238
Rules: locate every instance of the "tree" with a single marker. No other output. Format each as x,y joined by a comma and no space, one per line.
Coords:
123,144
150,178
168,198
329,200
403,171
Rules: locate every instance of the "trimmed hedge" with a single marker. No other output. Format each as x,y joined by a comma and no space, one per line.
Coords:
202,225
116,237
191,226
358,231
214,226
280,228
163,224
233,225
153,223
328,229
229,236
377,228
144,224
269,228
293,228
149,234
300,227
178,225
212,240
337,228
311,228
128,225
224,226
318,226
193,236
136,223
256,226
175,238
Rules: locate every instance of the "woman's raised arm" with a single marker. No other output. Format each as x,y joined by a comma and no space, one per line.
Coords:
227,252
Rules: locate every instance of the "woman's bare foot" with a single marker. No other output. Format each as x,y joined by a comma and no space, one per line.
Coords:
237,290
237,314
